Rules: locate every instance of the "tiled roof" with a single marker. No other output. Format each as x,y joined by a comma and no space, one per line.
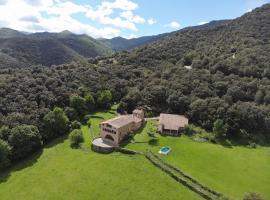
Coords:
122,121
173,122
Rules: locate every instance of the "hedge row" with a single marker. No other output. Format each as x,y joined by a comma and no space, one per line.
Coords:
188,177
127,151
168,169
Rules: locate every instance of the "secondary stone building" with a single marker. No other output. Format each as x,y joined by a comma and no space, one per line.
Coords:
113,131
170,124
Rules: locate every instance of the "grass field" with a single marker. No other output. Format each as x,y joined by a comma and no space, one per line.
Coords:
233,171
59,172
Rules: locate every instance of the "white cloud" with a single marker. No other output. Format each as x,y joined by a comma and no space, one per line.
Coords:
128,15
126,20
173,24
119,4
57,15
202,23
151,21
33,19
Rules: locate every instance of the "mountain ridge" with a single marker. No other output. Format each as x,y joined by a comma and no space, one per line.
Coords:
47,48
123,44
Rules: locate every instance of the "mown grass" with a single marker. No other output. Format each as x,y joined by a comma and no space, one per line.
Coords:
233,171
59,172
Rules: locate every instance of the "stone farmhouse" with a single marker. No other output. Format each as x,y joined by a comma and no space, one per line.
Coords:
170,124
113,131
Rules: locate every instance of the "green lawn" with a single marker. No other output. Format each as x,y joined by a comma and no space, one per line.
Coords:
233,171
59,172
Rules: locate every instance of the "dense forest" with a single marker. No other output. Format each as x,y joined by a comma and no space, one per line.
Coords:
218,73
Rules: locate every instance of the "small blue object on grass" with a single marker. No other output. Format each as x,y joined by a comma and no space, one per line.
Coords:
165,150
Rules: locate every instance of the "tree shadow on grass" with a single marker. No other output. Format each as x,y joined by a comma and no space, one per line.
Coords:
130,137
97,117
19,165
30,160
56,141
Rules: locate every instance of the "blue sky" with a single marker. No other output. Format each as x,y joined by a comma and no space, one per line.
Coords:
110,18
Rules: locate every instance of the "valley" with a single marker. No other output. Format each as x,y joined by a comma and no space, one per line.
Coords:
211,82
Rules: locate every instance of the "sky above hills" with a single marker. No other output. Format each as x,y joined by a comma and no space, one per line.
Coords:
111,18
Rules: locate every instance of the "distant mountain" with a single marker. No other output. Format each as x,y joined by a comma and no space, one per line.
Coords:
122,44
19,49
9,33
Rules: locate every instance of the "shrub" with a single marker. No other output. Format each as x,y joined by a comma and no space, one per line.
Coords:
153,142
24,139
244,134
253,196
252,145
151,131
76,138
189,130
219,129
4,154
226,143
75,125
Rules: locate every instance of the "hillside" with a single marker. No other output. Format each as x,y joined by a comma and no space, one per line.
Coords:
122,44
10,33
213,74
221,72
47,48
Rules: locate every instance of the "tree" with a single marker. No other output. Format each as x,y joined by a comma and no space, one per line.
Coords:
205,111
24,139
4,133
76,138
55,123
79,104
259,97
71,113
219,128
89,102
267,98
75,125
130,101
4,154
248,116
105,98
178,103
236,93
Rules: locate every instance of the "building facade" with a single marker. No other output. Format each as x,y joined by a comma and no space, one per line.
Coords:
170,124
113,131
